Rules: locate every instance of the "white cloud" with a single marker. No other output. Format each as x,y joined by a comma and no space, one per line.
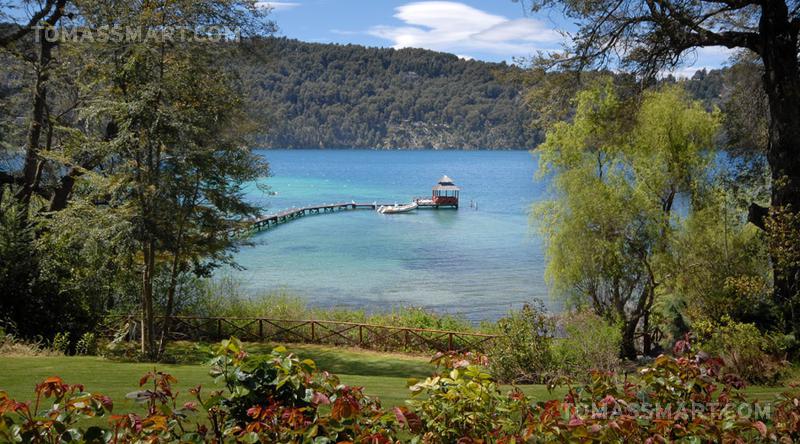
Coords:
707,58
343,32
453,26
277,6
524,29
685,73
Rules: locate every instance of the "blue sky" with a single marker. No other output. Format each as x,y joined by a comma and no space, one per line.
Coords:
491,30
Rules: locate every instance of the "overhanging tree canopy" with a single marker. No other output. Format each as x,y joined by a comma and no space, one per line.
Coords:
648,36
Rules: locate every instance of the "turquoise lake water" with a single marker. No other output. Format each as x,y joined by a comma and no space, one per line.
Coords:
476,263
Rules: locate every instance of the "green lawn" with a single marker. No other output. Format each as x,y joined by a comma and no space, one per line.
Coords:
382,375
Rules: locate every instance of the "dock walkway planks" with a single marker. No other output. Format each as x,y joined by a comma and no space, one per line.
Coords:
268,221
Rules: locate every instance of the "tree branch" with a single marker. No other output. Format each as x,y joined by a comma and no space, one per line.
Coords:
756,215
22,30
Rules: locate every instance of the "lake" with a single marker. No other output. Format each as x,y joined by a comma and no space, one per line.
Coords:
475,262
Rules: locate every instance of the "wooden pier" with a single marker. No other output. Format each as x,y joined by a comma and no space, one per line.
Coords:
268,221
444,195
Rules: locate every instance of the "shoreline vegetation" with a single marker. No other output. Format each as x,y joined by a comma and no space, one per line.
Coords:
531,345
225,297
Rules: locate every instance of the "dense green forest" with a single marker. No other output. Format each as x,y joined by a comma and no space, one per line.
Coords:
312,95
334,96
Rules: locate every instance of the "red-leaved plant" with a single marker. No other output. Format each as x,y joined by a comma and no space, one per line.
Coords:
280,398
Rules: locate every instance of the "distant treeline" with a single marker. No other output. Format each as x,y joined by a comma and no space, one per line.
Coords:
334,96
312,95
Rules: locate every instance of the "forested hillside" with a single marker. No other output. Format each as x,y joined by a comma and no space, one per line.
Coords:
333,96
310,95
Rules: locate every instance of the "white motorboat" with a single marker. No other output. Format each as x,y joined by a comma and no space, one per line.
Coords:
392,209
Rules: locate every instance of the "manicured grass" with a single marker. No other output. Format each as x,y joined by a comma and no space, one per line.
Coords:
382,375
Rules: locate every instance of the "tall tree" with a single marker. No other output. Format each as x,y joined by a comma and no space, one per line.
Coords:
45,19
618,170
649,35
15,31
179,149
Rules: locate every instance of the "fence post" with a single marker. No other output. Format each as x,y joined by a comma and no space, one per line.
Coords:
450,342
313,337
361,335
261,329
219,328
405,338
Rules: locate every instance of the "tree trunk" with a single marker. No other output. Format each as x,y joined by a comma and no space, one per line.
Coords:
62,194
173,284
628,350
32,166
781,82
148,318
647,338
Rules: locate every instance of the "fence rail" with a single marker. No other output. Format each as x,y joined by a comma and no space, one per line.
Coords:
341,333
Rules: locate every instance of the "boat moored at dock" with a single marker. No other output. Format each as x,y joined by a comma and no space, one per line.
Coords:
393,209
444,195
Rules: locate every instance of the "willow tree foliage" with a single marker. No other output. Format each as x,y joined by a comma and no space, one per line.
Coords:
649,36
620,170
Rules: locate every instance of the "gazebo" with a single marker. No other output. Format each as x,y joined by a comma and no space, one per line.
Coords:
445,193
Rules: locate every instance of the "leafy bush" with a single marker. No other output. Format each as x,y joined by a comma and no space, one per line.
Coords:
745,351
32,422
61,342
280,398
523,351
784,345
590,344
462,404
675,400
786,418
86,345
681,399
284,399
275,399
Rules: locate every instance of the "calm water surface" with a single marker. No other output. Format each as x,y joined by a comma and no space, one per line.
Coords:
477,263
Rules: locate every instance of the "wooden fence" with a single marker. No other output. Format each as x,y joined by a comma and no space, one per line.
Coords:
368,336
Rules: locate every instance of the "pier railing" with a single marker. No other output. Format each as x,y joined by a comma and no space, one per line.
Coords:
340,333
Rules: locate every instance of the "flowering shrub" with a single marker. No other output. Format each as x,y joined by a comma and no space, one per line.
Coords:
280,398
